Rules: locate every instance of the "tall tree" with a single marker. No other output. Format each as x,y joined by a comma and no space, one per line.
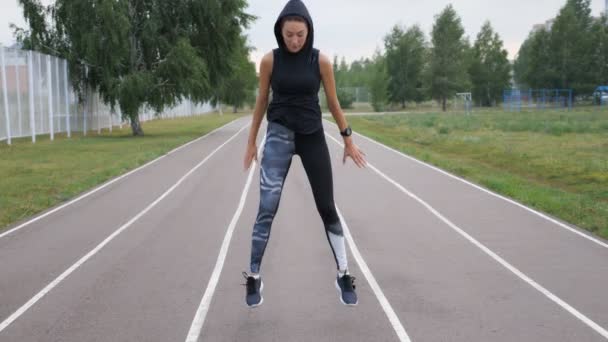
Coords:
490,70
599,53
448,60
379,82
405,57
534,66
571,46
137,52
566,55
239,88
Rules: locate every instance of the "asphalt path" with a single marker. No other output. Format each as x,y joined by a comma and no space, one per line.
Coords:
157,255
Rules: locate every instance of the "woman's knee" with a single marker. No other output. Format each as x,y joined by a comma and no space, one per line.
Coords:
328,214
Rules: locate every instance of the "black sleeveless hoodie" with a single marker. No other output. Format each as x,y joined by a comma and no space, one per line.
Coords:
295,79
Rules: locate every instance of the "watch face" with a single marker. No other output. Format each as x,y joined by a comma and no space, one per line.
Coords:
348,131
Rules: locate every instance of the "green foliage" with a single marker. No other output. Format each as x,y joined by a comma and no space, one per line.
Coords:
405,57
239,88
447,69
153,52
490,70
379,83
345,98
599,50
573,53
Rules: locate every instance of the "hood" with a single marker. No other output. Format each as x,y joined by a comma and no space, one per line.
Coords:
295,7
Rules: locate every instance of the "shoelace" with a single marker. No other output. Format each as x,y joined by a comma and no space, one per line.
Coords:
349,283
250,284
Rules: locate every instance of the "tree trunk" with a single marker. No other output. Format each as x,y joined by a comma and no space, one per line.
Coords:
136,127
488,96
234,109
444,103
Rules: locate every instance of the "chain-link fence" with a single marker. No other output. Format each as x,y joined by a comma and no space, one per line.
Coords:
36,97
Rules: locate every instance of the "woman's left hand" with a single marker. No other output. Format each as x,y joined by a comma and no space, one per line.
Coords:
351,150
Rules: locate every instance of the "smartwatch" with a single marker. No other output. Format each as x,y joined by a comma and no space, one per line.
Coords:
346,132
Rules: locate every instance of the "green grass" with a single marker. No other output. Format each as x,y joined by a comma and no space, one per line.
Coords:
38,176
554,161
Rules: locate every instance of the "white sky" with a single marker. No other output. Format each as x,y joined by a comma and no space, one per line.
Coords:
355,28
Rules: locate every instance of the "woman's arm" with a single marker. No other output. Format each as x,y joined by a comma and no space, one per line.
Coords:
329,84
261,105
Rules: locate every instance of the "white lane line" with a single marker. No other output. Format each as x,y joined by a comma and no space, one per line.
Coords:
199,318
493,255
386,306
108,183
560,224
66,273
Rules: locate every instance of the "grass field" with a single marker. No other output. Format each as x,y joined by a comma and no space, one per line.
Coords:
554,161
41,175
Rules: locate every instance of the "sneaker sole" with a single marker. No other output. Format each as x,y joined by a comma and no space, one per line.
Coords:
261,297
340,296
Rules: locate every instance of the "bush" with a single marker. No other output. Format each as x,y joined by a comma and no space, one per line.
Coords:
345,98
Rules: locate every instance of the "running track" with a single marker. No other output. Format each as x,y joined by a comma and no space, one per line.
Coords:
157,255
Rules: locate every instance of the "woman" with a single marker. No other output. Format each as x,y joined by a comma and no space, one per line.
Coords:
295,71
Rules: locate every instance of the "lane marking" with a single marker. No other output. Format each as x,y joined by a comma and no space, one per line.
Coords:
493,255
94,251
108,183
201,313
560,224
386,306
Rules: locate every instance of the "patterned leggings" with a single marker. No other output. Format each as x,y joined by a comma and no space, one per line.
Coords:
281,144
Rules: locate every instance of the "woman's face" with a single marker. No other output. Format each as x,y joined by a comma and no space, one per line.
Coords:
294,35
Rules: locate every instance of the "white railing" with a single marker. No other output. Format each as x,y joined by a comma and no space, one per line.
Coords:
36,98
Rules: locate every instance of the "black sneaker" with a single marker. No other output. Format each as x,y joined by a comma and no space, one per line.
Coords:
254,290
346,286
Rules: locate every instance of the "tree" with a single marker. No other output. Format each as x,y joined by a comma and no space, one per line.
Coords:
490,70
239,88
405,56
534,66
599,52
571,47
341,75
521,66
137,52
379,82
448,59
567,55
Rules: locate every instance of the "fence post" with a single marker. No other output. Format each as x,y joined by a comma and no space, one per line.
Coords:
18,76
67,98
98,114
86,103
556,99
5,92
58,111
30,79
49,82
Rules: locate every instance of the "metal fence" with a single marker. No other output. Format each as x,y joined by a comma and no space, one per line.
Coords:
516,99
37,98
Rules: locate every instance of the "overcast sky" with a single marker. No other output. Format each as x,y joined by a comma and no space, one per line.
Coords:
355,28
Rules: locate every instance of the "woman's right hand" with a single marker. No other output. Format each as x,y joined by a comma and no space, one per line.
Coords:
251,154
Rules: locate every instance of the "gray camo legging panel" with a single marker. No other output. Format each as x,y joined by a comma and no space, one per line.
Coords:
281,144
